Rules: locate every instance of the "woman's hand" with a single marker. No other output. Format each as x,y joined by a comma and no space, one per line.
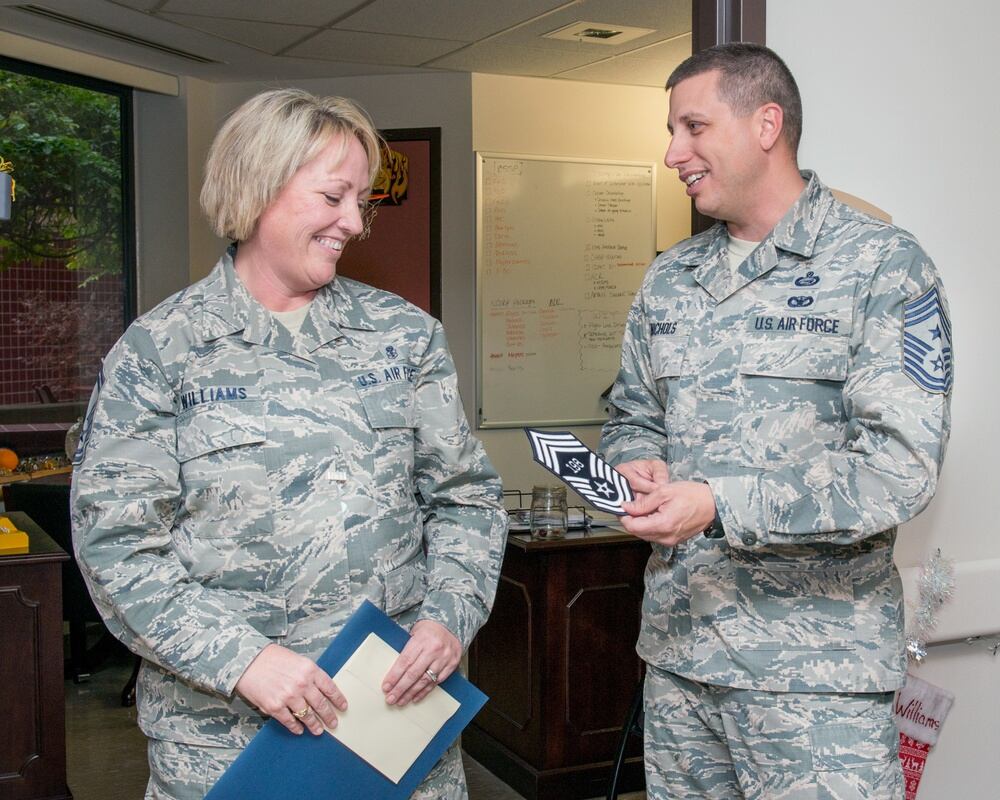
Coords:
432,647
292,689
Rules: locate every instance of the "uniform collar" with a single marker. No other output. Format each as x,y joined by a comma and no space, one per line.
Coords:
346,307
796,232
226,305
229,308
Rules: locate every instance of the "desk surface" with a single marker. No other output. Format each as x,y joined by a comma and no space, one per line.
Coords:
58,476
41,548
595,537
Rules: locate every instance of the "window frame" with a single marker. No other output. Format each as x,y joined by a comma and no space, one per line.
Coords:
70,410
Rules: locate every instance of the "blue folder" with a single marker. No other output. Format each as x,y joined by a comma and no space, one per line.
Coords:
278,764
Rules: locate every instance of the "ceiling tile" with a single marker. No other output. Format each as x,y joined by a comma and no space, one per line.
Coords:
118,20
299,12
647,67
671,51
240,63
435,32
372,48
267,36
672,17
138,5
634,71
533,36
504,59
667,19
446,19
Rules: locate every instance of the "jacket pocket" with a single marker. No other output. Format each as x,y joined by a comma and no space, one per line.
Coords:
792,402
666,356
846,747
391,412
265,613
390,405
223,476
670,370
405,586
792,604
658,599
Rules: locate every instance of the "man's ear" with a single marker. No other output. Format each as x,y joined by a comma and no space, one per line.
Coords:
771,121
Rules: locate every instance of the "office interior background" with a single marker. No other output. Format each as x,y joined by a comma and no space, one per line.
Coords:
900,109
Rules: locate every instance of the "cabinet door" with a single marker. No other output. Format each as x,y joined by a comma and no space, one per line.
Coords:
33,746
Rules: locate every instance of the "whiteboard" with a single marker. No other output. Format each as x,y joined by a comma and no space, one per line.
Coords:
562,247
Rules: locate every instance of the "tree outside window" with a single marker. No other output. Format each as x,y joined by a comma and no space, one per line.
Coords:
64,255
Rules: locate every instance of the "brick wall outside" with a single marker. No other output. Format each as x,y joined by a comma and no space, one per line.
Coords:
55,327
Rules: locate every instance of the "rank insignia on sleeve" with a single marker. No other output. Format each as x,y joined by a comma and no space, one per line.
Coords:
570,460
927,343
88,421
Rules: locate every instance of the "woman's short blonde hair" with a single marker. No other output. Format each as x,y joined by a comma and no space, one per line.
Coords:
264,143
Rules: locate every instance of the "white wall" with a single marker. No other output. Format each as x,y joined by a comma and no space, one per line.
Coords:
901,108
204,119
161,191
536,116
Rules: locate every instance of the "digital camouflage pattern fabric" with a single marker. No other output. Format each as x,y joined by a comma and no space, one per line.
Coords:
786,388
719,743
237,485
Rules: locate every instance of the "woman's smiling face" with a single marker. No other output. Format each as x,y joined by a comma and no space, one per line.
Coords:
298,240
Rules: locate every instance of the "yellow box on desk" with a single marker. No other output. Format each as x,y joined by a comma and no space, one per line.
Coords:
11,539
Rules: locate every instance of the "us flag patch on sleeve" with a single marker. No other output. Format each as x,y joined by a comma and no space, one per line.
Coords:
927,343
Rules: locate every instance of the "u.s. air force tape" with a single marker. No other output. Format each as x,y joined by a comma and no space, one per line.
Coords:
575,464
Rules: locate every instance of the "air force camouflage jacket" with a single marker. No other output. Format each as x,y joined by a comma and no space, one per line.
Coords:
237,486
811,391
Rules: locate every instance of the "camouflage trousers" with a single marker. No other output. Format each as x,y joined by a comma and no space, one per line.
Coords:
180,771
713,742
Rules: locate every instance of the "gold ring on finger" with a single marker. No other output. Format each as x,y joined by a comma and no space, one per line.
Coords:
302,713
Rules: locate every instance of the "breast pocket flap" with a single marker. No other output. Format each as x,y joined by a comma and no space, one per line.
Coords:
219,426
667,355
806,359
391,406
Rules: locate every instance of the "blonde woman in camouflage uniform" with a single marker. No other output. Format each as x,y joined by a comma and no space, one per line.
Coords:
272,446
782,406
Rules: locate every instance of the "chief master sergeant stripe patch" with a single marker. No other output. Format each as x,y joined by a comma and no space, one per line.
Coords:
927,343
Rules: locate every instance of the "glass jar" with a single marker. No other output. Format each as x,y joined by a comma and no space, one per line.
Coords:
548,518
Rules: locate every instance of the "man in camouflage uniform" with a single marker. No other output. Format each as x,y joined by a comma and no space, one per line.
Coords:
238,485
782,406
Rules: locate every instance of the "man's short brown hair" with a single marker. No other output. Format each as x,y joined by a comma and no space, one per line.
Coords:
750,75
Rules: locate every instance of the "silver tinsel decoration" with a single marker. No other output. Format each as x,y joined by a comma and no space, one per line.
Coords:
935,585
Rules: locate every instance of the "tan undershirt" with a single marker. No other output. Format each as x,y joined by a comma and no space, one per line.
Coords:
737,251
293,319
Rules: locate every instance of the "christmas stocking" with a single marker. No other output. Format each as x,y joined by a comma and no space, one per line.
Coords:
920,712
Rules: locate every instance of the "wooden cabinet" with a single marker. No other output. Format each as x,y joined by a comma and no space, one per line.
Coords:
32,704
557,658
46,501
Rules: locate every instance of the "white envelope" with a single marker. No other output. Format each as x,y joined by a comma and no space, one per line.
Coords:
389,738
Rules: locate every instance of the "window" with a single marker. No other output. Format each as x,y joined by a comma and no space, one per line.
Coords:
67,255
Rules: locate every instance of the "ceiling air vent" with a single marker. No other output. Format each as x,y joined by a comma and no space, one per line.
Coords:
47,13
598,33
